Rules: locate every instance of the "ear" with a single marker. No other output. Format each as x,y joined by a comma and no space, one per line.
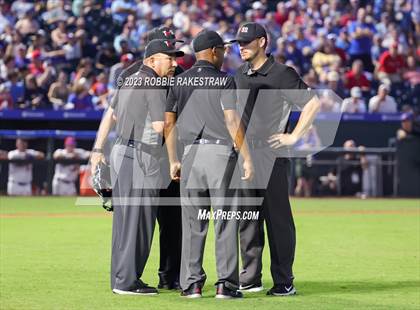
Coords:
151,62
262,42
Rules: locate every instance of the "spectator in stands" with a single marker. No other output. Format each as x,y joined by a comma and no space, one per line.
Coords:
16,88
361,35
100,90
6,100
377,49
66,174
106,57
27,25
124,42
59,91
329,102
20,57
382,102
80,99
294,54
7,64
56,12
412,74
121,9
36,67
21,7
356,77
335,84
125,61
20,174
391,65
72,50
332,40
35,96
85,70
59,35
325,59
354,104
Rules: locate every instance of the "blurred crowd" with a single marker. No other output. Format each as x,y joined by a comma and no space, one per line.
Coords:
59,54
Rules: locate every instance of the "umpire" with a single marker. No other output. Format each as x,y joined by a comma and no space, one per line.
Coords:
138,112
169,215
204,101
273,86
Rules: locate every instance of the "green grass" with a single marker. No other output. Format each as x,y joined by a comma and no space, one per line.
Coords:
351,254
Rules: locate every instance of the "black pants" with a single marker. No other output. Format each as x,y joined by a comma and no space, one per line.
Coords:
170,236
280,231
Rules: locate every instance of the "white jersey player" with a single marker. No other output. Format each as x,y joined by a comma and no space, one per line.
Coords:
65,176
20,174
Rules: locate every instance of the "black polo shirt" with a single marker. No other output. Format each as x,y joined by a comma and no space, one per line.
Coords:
267,96
136,107
199,97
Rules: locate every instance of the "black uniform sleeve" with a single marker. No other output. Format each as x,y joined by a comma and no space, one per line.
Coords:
228,96
296,92
156,100
171,101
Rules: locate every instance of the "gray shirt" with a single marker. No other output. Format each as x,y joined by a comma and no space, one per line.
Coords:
136,107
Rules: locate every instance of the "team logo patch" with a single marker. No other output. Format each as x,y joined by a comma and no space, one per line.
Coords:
244,29
167,33
168,44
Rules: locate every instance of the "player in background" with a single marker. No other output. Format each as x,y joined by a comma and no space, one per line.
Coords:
66,174
20,174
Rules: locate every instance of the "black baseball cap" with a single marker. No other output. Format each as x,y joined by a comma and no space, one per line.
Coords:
249,32
207,39
162,46
162,33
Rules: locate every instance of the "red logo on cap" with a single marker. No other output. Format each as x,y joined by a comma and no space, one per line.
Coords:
168,44
167,33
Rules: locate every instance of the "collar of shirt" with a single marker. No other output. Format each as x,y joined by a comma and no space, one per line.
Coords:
263,70
204,63
148,70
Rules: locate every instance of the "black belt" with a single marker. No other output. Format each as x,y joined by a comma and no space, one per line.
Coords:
65,181
212,141
21,183
144,147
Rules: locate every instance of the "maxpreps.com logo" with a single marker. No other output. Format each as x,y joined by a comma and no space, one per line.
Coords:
244,29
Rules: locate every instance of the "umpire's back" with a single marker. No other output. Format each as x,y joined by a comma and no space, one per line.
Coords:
199,97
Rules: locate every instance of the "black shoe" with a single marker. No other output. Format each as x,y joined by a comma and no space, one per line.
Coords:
176,285
223,292
251,288
165,286
169,285
194,291
143,289
282,290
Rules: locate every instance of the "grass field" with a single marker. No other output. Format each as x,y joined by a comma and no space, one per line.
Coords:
351,254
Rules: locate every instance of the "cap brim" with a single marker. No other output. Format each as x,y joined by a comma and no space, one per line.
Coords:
240,40
176,53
